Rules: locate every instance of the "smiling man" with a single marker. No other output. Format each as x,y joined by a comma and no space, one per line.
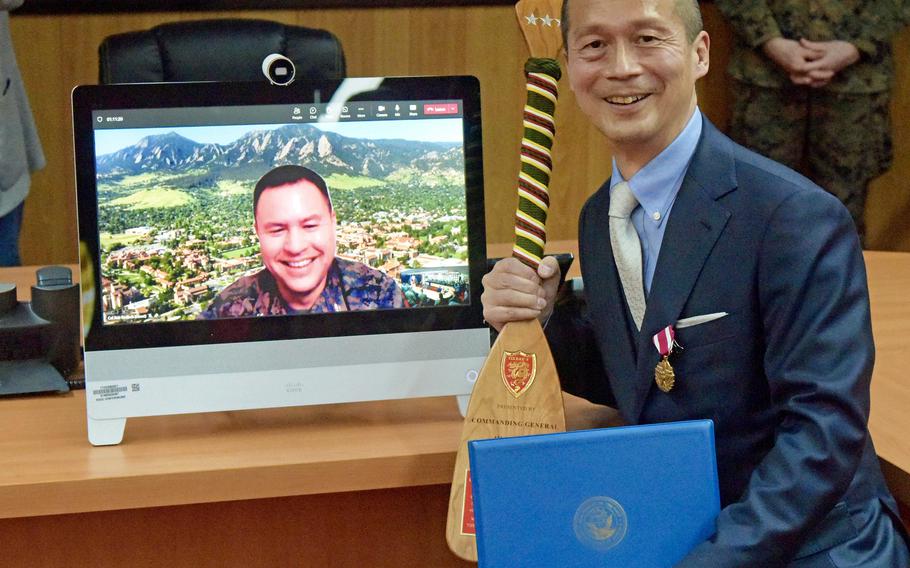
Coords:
295,223
758,273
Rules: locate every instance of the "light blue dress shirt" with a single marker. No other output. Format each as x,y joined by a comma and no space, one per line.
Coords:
655,186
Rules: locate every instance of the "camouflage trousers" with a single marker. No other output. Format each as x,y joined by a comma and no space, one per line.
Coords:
840,141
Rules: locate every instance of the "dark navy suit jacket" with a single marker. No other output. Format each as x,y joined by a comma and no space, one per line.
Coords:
785,376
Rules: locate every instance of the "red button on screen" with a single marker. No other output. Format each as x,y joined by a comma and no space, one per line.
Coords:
441,108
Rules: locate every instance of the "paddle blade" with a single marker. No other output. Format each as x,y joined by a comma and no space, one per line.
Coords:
539,21
517,393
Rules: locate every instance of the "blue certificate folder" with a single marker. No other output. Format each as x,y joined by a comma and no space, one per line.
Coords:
628,497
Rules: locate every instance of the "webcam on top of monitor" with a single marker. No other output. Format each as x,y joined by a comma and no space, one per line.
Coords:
278,69
149,353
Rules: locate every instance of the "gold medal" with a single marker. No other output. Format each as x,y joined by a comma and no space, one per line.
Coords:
664,375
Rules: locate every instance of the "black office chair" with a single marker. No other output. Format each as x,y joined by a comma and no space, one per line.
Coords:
217,50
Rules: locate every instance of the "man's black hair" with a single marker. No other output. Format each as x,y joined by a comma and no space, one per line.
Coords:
287,175
687,10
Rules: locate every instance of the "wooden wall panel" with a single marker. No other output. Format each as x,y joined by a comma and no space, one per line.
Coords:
58,52
888,208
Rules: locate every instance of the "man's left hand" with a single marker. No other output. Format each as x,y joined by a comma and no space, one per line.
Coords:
836,56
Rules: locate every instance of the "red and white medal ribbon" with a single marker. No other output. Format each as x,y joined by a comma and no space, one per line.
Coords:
664,375
664,340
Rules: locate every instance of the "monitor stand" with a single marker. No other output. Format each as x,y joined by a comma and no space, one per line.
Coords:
463,400
30,376
105,431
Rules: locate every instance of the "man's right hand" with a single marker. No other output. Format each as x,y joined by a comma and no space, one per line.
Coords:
792,56
512,291
836,55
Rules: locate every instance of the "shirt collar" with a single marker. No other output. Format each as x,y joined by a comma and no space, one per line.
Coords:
332,297
655,185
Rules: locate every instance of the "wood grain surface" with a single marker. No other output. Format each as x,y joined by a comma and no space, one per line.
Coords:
476,40
363,484
498,411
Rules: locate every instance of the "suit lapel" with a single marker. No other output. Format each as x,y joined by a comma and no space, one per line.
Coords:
605,296
695,223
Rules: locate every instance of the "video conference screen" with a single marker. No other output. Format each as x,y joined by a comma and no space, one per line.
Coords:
360,206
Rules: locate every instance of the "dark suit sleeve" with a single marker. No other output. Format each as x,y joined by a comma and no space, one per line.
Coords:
570,334
575,352
818,363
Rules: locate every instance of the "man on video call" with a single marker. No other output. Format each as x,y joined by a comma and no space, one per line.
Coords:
759,271
295,223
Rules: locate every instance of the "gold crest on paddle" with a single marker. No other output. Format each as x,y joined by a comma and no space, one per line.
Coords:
518,371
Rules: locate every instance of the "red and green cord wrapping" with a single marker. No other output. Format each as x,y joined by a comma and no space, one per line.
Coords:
536,160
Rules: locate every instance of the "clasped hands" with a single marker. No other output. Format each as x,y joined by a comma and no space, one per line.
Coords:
811,63
513,291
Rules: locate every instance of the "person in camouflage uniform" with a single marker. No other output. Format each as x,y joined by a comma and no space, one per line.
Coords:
349,286
295,223
811,87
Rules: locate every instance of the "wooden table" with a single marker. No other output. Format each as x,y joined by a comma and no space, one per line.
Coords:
889,283
362,484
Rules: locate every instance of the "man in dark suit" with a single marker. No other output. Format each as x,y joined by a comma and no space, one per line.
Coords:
760,274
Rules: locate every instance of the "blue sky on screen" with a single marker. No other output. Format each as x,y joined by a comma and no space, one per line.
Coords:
420,130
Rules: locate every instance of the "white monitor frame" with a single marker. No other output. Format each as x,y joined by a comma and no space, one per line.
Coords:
143,382
163,368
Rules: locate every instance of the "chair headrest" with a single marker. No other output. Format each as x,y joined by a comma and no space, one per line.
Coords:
217,50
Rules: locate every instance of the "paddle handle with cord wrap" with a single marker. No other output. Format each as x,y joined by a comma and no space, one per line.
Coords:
542,76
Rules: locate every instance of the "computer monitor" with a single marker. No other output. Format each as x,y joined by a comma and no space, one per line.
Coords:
203,304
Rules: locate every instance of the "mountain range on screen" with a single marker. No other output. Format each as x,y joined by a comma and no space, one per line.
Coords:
302,144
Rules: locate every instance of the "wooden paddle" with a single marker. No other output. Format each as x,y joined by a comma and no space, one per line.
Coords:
540,26
517,391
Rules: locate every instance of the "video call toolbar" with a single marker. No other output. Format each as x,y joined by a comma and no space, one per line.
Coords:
267,114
